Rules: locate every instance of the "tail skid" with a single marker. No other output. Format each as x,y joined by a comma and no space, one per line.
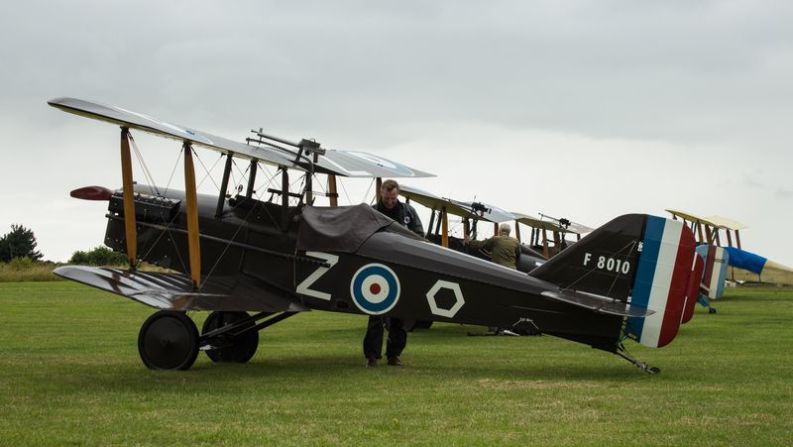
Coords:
622,352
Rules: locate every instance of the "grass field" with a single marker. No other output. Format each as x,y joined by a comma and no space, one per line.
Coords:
70,375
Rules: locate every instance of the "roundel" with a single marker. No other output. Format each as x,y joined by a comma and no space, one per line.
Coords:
375,289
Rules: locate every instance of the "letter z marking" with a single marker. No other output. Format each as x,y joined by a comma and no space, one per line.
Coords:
304,287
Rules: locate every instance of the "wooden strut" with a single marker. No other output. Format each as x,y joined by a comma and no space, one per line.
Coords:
445,228
517,230
545,251
377,186
737,239
129,200
193,244
729,237
332,194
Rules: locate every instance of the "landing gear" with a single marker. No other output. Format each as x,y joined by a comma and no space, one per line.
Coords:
238,345
168,340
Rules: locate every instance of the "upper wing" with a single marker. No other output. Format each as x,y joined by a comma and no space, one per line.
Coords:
490,213
362,164
727,223
538,223
455,207
173,291
135,120
433,202
338,162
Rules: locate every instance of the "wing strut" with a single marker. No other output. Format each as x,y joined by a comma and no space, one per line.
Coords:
129,200
332,193
545,251
224,185
194,248
445,227
517,230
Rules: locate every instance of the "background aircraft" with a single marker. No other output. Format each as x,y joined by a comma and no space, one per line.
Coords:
743,265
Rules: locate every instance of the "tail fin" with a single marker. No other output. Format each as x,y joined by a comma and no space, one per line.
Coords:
639,259
694,288
715,275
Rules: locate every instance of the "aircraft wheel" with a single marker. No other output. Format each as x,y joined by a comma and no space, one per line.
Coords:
168,340
239,349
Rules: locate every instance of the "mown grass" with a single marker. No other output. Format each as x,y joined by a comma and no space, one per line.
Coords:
70,375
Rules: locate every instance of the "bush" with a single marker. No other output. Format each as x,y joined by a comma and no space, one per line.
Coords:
25,269
20,264
99,256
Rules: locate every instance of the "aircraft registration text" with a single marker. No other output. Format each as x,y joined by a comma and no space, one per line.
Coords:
608,264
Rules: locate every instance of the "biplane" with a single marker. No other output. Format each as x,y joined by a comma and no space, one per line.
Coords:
549,235
470,215
728,260
252,263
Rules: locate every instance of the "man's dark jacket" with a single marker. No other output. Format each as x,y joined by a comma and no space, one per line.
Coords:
404,214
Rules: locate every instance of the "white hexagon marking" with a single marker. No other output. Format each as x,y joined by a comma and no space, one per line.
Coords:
458,295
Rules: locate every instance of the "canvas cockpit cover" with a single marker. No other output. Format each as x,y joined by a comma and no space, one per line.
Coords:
343,229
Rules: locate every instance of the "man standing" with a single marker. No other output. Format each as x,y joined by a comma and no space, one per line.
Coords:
505,250
405,215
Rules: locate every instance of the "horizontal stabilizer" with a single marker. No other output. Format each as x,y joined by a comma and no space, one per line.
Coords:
598,303
173,291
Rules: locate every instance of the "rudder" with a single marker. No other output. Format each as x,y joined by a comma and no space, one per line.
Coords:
643,260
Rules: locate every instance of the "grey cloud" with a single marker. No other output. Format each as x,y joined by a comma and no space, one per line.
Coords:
784,193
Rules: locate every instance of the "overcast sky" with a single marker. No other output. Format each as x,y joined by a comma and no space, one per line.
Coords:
582,109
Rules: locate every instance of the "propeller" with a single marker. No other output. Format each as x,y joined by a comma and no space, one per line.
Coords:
92,193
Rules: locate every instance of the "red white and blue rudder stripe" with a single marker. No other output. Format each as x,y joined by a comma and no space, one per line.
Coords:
694,287
716,261
661,284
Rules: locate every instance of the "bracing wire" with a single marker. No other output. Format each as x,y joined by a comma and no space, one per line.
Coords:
346,194
146,173
173,172
208,172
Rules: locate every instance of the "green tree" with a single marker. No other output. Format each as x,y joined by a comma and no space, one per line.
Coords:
20,242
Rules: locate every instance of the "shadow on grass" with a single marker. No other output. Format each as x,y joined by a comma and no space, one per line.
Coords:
312,374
